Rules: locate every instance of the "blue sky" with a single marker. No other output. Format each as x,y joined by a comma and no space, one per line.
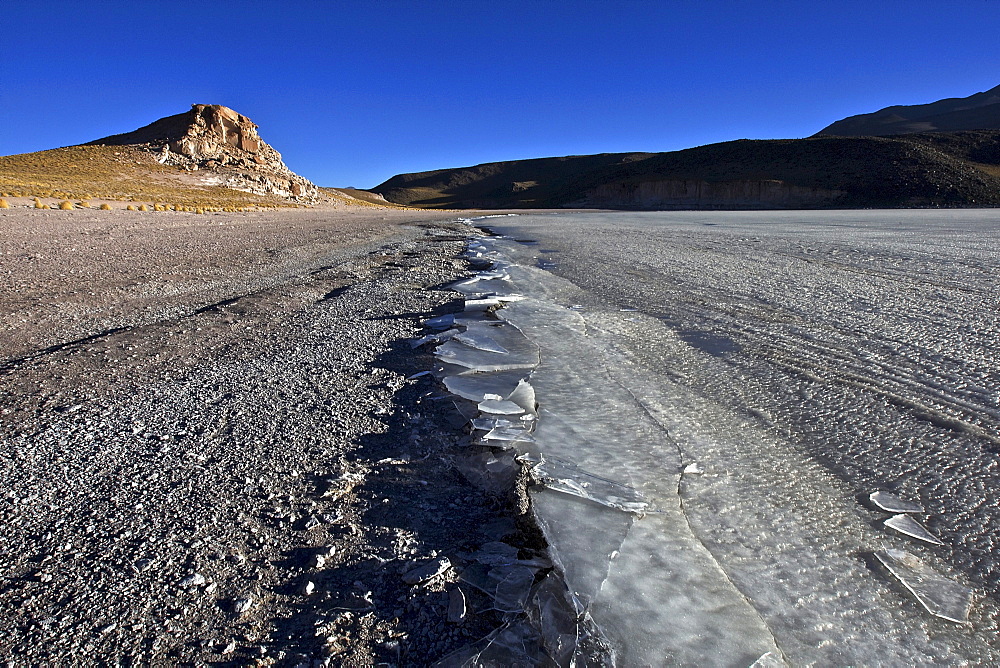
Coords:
353,92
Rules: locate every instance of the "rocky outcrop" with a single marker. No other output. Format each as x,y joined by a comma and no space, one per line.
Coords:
696,194
217,139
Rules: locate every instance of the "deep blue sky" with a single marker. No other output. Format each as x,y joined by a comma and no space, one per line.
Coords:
354,92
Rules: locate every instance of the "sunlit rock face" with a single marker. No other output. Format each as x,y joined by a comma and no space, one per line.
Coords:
226,143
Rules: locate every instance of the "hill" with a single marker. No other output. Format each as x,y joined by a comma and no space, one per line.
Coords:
976,112
925,170
210,155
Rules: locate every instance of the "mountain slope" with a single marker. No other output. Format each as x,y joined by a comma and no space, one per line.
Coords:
957,169
208,155
975,112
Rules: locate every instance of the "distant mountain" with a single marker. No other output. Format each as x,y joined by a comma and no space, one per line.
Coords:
923,170
976,112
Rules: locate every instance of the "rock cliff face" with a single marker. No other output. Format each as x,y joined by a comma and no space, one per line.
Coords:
224,143
695,194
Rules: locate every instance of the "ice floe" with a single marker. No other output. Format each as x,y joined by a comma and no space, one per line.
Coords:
940,595
905,524
893,504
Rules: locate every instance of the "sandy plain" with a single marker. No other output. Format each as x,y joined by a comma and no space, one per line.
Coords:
211,446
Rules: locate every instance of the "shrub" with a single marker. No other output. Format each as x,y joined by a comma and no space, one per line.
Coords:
66,205
84,204
143,207
130,207
39,205
199,210
4,204
105,207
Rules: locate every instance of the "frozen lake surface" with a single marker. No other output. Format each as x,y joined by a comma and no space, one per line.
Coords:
730,390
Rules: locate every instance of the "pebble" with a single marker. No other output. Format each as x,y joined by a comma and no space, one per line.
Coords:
241,605
193,580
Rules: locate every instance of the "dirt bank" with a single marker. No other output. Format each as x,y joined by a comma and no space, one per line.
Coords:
211,449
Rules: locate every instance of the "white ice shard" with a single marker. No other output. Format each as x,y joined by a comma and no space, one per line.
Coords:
941,596
893,504
905,524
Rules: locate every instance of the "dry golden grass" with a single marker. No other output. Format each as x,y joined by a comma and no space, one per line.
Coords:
122,173
359,198
992,170
4,204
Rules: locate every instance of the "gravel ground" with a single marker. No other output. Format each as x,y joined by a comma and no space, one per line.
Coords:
211,449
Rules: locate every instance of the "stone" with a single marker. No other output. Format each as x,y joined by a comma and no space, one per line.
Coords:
242,605
193,580
216,138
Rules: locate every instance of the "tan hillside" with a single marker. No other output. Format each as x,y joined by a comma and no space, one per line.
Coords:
208,156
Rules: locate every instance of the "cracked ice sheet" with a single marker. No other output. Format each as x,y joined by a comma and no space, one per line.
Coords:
651,587
787,534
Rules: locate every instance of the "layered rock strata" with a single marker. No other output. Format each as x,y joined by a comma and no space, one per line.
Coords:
224,144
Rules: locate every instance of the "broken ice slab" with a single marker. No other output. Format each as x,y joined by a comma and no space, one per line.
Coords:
515,644
454,352
524,396
905,524
893,504
507,435
441,322
941,596
475,386
481,342
492,473
503,334
566,477
568,633
495,553
480,304
500,407
508,584
485,287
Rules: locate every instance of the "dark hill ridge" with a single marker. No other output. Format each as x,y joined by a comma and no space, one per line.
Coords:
976,112
959,169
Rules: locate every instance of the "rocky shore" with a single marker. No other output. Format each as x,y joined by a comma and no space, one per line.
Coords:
215,447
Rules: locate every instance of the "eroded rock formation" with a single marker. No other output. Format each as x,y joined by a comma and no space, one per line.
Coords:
225,143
